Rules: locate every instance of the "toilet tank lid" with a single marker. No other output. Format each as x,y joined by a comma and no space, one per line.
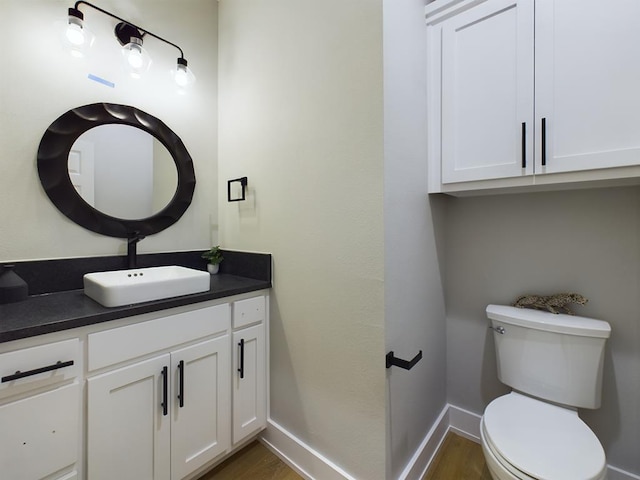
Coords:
549,322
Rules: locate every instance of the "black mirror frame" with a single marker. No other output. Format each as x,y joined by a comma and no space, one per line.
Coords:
53,154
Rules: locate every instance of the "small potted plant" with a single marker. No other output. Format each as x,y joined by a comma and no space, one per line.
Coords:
214,257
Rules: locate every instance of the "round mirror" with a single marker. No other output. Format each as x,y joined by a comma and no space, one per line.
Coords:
116,170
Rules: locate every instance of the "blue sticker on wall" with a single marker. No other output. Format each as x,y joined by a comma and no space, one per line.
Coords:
101,80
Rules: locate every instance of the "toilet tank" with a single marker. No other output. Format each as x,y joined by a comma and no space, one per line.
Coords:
554,357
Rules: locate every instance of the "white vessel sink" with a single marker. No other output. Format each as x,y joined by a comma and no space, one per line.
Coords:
124,287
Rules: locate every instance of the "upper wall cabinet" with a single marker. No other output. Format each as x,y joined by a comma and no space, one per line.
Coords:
532,92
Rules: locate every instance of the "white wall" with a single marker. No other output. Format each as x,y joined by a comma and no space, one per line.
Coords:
588,241
414,301
40,81
301,115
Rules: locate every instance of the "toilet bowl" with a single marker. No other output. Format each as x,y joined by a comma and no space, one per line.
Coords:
527,439
553,363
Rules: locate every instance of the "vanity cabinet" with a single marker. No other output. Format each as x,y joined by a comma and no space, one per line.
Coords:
40,412
168,397
249,368
530,92
165,416
164,395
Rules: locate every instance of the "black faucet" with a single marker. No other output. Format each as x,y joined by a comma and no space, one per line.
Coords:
132,242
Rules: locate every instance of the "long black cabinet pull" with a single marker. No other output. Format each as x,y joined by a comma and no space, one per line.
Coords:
165,391
181,383
241,369
544,142
36,371
524,145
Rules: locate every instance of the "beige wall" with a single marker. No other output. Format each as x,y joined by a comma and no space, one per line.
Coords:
40,81
588,241
301,115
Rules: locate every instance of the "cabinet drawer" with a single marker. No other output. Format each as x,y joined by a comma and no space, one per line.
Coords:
246,312
126,343
29,368
40,434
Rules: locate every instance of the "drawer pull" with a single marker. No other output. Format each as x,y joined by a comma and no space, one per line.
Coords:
36,371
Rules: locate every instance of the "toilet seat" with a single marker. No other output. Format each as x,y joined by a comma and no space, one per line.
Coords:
535,439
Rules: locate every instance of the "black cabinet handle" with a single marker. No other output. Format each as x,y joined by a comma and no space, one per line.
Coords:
181,383
544,142
241,369
392,361
36,371
165,391
524,145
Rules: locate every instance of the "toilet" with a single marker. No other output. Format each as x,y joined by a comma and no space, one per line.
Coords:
553,363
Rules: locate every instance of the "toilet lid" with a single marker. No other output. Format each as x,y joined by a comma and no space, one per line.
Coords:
543,440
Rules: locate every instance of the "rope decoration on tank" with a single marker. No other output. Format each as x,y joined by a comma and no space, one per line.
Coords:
556,303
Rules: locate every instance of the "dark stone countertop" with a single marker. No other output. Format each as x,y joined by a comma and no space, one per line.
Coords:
57,301
58,311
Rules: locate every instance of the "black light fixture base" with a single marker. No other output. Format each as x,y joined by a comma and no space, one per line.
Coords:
125,31
74,12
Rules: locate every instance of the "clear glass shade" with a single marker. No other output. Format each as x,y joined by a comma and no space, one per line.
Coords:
183,76
137,60
77,38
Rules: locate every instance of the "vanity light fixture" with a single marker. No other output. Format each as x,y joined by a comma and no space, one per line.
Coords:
130,37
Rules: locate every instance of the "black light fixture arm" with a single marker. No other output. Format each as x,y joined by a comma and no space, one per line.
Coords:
145,32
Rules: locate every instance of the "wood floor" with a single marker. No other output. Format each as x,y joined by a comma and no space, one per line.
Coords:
253,462
457,459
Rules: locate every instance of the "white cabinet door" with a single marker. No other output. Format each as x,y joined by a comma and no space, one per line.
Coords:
587,77
200,429
40,434
128,427
249,382
487,92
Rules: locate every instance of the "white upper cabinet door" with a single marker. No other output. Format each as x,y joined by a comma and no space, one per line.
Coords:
587,78
487,92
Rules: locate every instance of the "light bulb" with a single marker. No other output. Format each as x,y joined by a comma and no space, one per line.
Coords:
135,57
75,34
181,76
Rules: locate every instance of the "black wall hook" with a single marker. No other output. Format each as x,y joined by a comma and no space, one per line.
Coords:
393,361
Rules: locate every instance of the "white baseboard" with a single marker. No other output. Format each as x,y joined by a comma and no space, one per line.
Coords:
419,463
614,473
311,465
307,462
464,423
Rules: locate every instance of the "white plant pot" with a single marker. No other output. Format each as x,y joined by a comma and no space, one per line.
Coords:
213,269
